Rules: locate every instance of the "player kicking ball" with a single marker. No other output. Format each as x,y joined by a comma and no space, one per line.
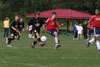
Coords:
52,27
13,30
37,23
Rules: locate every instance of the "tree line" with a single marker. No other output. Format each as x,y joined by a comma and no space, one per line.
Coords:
23,7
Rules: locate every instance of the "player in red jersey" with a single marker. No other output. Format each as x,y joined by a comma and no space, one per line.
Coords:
90,33
52,27
95,21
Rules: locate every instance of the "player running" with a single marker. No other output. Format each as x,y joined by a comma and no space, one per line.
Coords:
95,21
52,27
37,23
90,33
20,27
13,30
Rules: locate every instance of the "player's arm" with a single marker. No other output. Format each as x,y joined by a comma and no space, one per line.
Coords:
13,28
27,27
90,21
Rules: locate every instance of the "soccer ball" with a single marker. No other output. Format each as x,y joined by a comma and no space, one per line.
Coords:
43,38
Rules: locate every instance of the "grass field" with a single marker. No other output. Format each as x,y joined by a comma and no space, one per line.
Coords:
71,54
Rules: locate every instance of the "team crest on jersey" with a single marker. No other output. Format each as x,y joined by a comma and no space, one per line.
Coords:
53,23
20,25
37,25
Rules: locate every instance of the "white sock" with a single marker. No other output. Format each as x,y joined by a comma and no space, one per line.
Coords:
92,40
56,41
30,35
98,44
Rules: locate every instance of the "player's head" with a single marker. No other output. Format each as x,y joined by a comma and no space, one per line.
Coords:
16,17
7,18
97,11
21,19
54,15
37,14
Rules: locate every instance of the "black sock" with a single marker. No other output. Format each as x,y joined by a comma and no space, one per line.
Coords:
39,40
9,40
18,37
34,42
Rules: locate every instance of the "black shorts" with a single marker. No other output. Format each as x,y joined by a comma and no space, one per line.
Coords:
36,31
13,33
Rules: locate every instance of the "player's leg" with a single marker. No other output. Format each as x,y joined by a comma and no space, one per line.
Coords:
37,36
56,40
30,34
19,35
13,36
39,40
96,33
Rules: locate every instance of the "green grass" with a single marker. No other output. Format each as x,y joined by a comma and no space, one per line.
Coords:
71,54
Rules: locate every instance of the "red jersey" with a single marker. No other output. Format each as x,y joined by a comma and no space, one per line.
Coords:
95,20
52,24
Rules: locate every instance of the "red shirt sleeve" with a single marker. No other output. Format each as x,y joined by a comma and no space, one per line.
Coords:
91,20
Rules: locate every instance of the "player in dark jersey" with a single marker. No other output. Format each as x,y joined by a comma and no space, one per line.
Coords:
13,30
20,27
37,23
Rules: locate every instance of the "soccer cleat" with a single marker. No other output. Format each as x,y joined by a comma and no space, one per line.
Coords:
33,46
88,44
56,47
42,44
9,46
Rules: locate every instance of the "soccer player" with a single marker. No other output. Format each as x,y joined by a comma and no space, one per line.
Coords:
37,23
95,21
20,27
52,27
13,30
90,33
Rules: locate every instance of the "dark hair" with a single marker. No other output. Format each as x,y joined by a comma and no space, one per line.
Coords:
53,13
97,9
37,13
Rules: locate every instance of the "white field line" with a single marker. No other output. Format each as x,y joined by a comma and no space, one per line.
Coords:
28,64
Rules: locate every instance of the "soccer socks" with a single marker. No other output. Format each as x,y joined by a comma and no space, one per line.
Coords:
56,41
98,44
9,40
34,43
18,37
30,35
92,40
